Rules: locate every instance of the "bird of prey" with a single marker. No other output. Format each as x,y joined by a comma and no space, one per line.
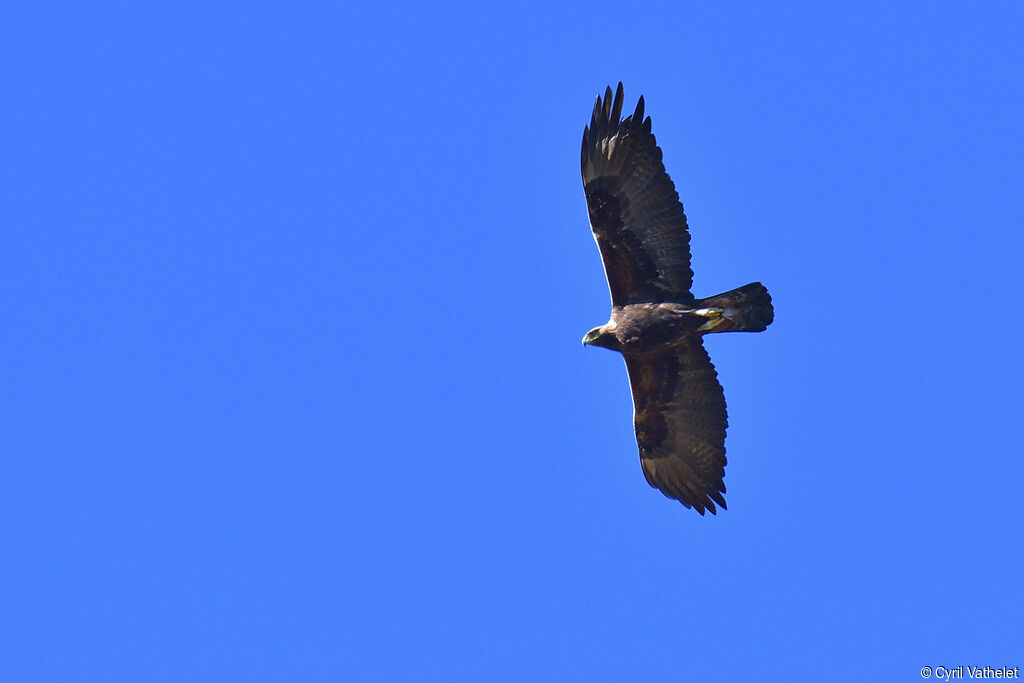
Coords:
656,323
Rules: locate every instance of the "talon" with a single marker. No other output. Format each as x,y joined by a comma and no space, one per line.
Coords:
714,318
711,325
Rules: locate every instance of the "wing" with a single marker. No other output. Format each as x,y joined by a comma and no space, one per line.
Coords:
635,212
680,420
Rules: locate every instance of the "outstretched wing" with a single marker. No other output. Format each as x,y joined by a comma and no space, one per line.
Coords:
635,212
680,420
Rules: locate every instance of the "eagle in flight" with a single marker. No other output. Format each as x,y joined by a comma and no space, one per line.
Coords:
656,323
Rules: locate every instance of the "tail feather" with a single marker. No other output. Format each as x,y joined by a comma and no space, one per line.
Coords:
747,308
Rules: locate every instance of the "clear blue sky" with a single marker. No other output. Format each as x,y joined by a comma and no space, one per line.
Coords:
292,300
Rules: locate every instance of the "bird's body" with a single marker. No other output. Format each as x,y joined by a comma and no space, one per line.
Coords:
656,323
646,328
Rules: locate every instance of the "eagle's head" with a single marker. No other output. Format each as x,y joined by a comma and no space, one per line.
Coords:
603,336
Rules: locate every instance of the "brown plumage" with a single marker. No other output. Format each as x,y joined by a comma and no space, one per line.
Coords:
656,323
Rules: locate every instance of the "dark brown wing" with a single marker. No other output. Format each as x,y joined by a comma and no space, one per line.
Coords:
635,212
680,419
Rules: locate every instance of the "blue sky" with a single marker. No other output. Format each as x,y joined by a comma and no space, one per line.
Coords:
292,301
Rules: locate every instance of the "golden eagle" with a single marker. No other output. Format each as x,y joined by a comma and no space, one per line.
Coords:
656,323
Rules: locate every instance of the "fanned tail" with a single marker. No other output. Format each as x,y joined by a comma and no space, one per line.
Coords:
744,309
